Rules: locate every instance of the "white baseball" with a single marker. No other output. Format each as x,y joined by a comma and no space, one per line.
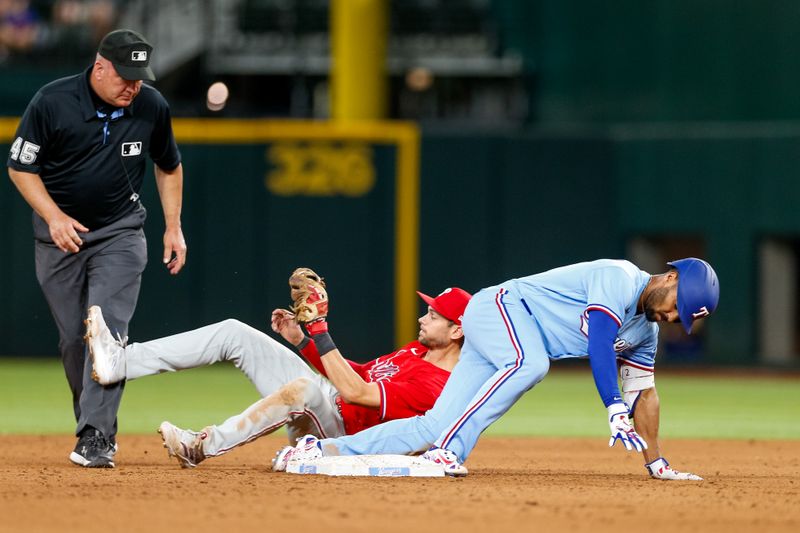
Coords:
217,96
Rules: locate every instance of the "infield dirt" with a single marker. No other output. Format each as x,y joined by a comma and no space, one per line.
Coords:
515,484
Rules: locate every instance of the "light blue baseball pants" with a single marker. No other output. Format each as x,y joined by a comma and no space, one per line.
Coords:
502,358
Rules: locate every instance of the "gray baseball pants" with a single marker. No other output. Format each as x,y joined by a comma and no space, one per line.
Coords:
107,271
292,393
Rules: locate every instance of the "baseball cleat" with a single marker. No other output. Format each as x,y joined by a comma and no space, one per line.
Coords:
185,445
93,450
447,460
660,469
307,448
107,353
282,458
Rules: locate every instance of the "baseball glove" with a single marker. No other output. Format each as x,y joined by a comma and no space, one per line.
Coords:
309,297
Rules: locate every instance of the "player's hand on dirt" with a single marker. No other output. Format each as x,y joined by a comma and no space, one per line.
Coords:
622,429
285,325
174,250
660,469
64,232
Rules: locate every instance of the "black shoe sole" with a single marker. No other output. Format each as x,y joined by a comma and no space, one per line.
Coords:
101,462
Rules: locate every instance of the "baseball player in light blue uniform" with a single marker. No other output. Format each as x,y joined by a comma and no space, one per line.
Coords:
607,309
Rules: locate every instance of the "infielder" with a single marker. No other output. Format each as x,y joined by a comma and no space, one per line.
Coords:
78,158
607,309
344,398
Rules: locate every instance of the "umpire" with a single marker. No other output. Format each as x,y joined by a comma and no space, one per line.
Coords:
78,159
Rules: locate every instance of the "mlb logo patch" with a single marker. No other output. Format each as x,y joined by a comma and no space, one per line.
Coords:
139,55
131,149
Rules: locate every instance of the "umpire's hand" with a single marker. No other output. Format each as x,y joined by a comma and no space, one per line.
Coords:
174,250
64,232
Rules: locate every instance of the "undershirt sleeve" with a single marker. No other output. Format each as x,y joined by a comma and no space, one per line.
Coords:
602,334
310,352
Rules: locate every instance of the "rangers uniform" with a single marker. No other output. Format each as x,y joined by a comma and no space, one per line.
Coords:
306,402
512,332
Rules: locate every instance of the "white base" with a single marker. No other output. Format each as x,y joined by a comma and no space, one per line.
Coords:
367,465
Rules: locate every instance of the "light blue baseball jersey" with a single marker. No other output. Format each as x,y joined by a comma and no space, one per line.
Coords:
560,300
512,331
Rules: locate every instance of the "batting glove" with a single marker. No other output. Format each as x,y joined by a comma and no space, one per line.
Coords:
660,469
621,428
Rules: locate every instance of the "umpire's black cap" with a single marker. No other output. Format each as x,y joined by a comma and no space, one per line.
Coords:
130,53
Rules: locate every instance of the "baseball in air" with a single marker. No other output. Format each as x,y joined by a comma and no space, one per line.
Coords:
217,96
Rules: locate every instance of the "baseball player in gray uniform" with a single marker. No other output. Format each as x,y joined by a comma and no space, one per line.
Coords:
343,398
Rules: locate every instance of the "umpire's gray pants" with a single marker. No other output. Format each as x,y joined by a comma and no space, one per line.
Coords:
107,271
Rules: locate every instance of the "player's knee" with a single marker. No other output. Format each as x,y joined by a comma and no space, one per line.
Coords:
240,334
296,392
536,369
232,325
236,334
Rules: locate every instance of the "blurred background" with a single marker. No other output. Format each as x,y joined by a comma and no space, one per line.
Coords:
549,132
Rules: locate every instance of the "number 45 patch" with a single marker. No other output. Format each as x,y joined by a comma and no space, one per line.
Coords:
24,151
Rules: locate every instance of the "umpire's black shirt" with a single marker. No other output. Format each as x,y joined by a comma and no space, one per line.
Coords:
90,156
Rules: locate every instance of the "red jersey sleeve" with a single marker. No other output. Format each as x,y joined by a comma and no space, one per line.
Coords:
311,354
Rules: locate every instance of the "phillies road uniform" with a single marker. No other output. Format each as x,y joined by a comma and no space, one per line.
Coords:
307,403
512,331
91,158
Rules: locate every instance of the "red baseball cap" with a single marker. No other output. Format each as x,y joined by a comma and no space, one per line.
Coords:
450,303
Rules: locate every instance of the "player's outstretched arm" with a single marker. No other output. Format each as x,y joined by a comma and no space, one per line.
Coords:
350,385
352,388
602,331
310,307
647,420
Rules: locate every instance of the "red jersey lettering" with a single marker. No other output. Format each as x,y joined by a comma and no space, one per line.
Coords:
408,384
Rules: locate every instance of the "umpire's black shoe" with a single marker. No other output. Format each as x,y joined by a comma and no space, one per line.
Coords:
93,450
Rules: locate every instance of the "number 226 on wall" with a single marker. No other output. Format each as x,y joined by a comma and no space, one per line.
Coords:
320,169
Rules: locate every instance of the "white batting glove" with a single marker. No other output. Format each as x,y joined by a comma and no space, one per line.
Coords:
621,428
660,469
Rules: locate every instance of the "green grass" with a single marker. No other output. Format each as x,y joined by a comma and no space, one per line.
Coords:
566,404
34,399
